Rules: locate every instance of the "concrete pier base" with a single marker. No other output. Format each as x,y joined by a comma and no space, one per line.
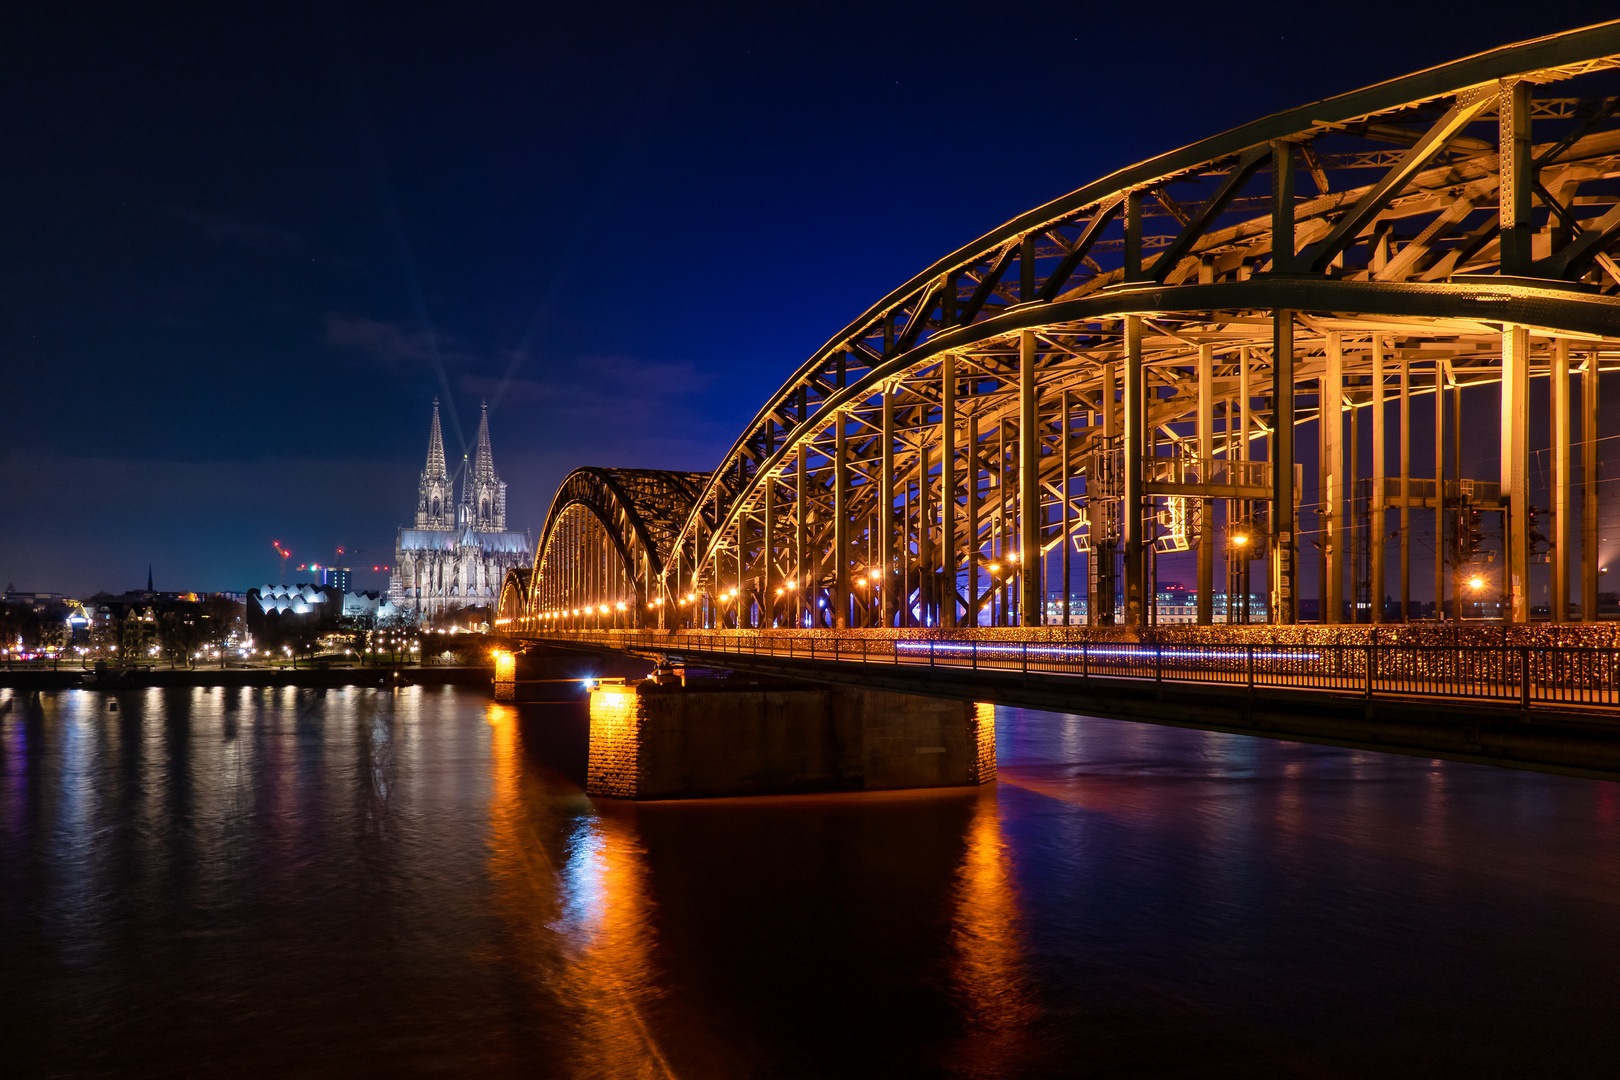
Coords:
649,741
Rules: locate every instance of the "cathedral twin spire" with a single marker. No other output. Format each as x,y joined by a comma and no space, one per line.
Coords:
484,463
483,495
435,459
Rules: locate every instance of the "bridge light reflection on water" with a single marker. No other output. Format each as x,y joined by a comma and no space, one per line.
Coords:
226,878
588,902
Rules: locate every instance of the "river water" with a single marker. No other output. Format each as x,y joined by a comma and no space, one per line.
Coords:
364,882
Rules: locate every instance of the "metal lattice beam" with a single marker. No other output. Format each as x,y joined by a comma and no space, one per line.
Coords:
1482,240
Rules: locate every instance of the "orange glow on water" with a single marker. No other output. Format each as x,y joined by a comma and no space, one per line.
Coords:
988,968
574,884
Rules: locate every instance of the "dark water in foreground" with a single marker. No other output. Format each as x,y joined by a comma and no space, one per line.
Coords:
358,882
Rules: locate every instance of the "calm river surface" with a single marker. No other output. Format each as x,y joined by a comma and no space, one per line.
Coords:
396,883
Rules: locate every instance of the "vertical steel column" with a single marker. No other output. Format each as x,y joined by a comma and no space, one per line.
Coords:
1562,549
801,538
972,552
1032,590
1517,175
905,554
742,571
925,531
1439,489
1321,506
1590,555
1245,403
1376,534
1282,207
1066,467
1133,236
1406,488
840,576
1237,570
1456,479
1026,268
1332,412
767,557
1516,471
1286,563
1101,599
1135,440
1238,510
947,490
886,511
1002,548
1206,507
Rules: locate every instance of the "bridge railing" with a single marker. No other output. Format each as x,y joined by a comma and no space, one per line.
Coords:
1525,675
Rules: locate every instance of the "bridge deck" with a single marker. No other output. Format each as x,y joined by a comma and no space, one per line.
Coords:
1547,708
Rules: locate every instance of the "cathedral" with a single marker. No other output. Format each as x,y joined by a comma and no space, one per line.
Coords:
456,554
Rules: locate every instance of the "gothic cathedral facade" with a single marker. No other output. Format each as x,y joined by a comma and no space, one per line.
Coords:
457,553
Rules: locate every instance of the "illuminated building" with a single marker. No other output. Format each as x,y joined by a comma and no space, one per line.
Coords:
456,555
334,577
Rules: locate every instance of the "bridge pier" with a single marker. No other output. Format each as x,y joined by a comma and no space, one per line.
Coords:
714,737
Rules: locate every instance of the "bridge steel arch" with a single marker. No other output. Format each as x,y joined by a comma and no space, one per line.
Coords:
1127,369
605,540
513,604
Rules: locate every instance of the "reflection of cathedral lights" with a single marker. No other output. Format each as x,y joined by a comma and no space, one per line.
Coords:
456,555
587,901
988,968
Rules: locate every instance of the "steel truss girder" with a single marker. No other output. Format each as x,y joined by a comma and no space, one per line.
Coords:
1240,309
1413,256
1442,182
641,512
514,602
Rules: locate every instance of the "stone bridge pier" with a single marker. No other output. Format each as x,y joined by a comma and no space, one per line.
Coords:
707,737
702,734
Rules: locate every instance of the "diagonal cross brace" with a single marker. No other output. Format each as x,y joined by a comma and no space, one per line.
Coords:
1349,226
1241,173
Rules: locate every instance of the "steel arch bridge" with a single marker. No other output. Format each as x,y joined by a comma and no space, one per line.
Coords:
1137,367
605,544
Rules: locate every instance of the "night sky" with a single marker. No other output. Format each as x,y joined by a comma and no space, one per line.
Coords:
243,249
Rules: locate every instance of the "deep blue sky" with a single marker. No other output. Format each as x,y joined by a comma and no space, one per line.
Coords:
241,250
